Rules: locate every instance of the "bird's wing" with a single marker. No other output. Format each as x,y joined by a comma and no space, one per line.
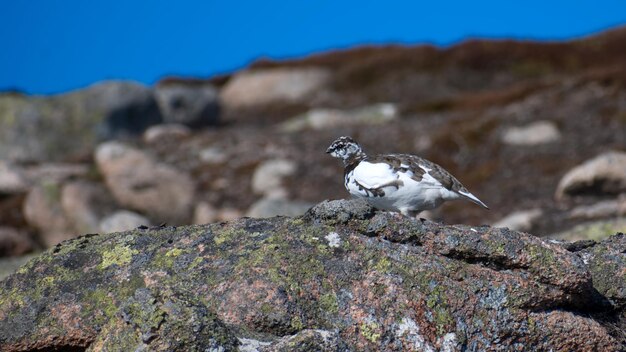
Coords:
374,175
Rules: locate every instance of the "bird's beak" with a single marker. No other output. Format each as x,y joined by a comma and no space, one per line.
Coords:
328,151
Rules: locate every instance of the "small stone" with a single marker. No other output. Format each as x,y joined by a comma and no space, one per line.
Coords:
123,220
523,220
212,155
603,209
204,213
229,214
603,175
539,132
268,177
12,179
170,131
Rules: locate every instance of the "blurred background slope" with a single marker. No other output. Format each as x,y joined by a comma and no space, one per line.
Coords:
187,132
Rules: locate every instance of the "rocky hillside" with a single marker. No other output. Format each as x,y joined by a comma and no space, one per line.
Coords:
341,277
536,130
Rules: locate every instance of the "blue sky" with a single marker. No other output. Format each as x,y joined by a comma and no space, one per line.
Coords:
55,46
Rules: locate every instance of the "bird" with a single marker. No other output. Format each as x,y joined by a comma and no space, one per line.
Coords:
401,183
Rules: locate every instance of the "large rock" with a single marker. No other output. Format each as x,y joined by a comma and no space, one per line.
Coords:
604,174
194,105
140,182
85,204
67,125
592,230
248,89
603,209
342,277
43,210
14,242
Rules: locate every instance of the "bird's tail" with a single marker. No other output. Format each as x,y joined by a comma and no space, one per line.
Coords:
465,193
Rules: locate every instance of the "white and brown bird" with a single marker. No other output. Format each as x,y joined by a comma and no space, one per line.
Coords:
397,182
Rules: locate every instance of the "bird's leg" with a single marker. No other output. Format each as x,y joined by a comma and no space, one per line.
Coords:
371,192
378,190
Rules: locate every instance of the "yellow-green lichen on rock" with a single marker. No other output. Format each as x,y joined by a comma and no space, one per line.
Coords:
119,255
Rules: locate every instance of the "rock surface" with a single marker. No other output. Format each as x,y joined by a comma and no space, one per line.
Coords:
139,182
604,174
342,277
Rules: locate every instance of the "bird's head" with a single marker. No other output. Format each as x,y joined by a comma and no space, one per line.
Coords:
344,148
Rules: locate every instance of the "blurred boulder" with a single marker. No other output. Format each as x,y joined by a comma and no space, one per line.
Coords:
122,220
268,207
85,204
266,86
539,132
268,177
603,209
69,125
330,118
43,211
593,230
603,175
141,183
14,242
204,213
191,104
12,179
166,131
522,220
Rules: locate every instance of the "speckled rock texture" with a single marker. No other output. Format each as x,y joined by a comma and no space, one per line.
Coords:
340,278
